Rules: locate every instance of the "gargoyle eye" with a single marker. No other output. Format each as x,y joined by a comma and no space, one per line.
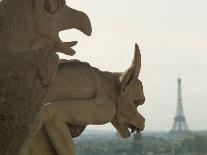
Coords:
51,6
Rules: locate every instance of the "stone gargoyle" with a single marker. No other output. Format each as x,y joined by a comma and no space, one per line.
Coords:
34,25
83,95
28,63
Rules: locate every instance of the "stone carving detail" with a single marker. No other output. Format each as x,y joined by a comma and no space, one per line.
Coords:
84,95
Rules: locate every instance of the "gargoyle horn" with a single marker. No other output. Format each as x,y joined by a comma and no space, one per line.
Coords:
137,61
133,72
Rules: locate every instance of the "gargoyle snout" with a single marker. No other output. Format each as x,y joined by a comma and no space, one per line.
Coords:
139,102
76,19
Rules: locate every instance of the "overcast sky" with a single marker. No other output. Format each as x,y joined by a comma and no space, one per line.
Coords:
172,37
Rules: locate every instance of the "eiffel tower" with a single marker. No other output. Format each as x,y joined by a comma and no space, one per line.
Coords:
180,127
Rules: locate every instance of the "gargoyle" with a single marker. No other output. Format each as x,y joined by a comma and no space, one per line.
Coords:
33,25
84,95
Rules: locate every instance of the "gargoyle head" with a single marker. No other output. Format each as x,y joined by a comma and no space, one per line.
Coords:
35,25
53,16
131,96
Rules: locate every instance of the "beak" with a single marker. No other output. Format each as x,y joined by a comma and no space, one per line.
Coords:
75,19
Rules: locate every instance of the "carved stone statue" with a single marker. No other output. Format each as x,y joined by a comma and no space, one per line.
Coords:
33,25
83,95
28,63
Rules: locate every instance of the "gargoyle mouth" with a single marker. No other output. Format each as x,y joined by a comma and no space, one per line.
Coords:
74,19
129,129
134,129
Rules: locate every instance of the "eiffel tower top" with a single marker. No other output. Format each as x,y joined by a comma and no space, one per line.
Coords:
179,111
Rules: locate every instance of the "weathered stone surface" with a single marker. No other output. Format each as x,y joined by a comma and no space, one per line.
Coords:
24,82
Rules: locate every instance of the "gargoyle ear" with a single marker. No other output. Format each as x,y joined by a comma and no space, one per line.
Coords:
136,64
133,71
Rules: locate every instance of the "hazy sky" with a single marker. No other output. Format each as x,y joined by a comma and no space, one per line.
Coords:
172,37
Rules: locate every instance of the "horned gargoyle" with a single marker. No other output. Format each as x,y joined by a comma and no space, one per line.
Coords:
84,95
33,25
